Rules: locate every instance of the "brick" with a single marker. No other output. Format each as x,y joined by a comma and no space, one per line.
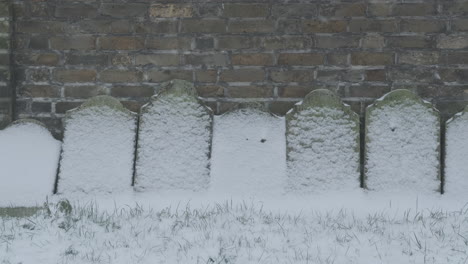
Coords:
459,25
408,42
337,59
294,91
46,91
353,76
238,42
41,107
253,26
372,25
280,107
452,42
117,76
67,75
63,107
204,43
210,90
207,60
79,10
132,91
208,9
368,91
133,105
39,10
158,59
419,58
206,75
245,10
123,10
371,58
455,58
415,9
4,59
376,75
454,75
73,43
4,9
417,25
168,43
373,42
171,10
411,74
266,59
4,42
121,43
167,75
39,42
203,26
379,9
333,42
457,8
122,59
51,27
299,76
286,42
289,26
329,76
318,26
87,59
4,76
38,75
156,27
4,26
245,75
249,91
37,59
294,10
84,91
343,10
300,59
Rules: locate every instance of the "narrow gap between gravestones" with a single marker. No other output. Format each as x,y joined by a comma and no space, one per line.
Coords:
442,155
135,151
362,138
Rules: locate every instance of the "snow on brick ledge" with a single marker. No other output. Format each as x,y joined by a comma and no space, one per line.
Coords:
402,144
98,148
174,140
28,166
322,144
248,153
456,157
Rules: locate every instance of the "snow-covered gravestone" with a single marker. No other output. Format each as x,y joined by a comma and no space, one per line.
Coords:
29,158
174,140
456,154
98,148
248,153
402,144
322,136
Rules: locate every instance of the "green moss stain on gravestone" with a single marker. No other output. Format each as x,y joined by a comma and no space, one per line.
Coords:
322,144
27,120
174,140
101,101
402,137
19,211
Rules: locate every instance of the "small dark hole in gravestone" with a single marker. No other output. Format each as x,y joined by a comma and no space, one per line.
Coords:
246,139
263,140
393,129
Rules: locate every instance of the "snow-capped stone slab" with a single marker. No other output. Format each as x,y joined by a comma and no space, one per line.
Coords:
322,136
174,140
402,144
98,148
249,155
456,154
29,158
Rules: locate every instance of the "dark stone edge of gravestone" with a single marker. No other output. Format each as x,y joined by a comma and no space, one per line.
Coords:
395,97
324,98
175,87
20,211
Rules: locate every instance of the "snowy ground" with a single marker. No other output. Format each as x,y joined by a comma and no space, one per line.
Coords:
355,227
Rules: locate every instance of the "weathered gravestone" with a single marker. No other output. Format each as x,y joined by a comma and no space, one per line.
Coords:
98,148
28,164
456,154
322,136
248,153
402,144
174,140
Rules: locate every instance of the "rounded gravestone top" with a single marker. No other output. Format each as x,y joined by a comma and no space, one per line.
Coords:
27,121
100,101
399,96
459,114
178,88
